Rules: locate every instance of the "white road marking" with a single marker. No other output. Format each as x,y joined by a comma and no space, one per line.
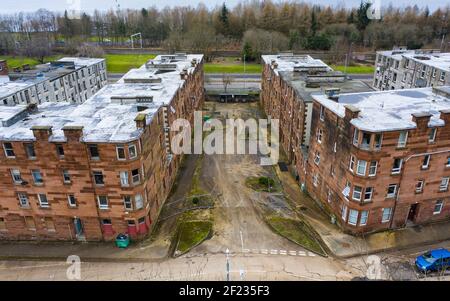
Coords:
264,251
293,253
246,251
255,251
301,253
283,252
273,252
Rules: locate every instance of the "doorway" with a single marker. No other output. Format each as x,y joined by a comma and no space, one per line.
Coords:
413,210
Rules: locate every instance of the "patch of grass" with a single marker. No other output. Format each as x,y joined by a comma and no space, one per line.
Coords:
121,63
355,69
191,234
262,184
295,231
18,61
232,68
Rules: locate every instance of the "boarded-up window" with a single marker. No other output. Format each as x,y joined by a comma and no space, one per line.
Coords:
29,221
49,224
2,224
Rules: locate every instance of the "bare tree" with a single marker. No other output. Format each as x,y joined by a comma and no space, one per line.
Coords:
227,80
38,47
86,50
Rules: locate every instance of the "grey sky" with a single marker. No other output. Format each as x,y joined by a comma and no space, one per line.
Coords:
10,6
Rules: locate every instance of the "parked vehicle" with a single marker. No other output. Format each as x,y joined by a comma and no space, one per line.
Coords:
435,260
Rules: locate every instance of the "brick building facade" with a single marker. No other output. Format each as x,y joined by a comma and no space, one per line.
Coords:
93,170
381,160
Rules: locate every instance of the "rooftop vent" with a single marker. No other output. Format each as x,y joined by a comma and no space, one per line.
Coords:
332,93
131,99
422,57
147,80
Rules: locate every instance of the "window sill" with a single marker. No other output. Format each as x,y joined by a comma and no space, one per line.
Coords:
25,207
425,168
45,207
436,213
38,184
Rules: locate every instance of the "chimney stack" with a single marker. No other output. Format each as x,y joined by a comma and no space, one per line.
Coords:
73,133
141,121
421,120
42,132
351,112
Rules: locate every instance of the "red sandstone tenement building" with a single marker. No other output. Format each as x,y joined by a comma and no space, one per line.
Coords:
288,81
93,170
381,160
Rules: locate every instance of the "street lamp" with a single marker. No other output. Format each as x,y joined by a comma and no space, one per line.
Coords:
228,264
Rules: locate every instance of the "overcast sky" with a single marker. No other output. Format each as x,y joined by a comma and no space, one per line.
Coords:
10,6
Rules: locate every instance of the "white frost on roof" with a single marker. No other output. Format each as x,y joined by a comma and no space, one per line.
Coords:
287,62
82,61
8,112
433,59
103,119
389,110
12,87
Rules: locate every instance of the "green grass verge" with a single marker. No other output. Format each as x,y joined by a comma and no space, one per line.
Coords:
122,63
232,68
191,234
295,231
355,69
262,184
18,61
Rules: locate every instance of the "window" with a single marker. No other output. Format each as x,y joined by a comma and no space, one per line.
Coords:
444,184
37,177
365,143
98,178
378,141
43,201
357,190
352,163
17,178
66,176
102,202
442,78
344,212
347,188
364,217
402,139
335,147
361,168
93,151
139,201
329,196
316,180
392,191
432,135
397,167
426,161
356,137
438,207
120,152
29,221
373,168
136,176
72,200
448,162
132,151
128,204
422,73
29,149
353,217
434,72
319,135
23,200
322,113
317,158
368,192
106,222
387,212
124,178
60,150
9,151
419,186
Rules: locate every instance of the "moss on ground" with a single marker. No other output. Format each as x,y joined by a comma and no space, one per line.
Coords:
262,184
297,232
190,234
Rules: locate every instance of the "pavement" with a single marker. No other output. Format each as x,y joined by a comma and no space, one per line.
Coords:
343,245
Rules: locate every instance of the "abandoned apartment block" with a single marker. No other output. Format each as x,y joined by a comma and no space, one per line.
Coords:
89,171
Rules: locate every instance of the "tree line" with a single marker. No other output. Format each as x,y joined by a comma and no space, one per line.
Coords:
254,27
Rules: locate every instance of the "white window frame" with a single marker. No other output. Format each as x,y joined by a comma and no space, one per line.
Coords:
122,147
439,203
344,210
364,216
398,170
432,136
16,172
375,144
352,218
442,78
122,177
317,158
27,149
33,172
422,184
373,168
69,200
316,180
23,200
66,173
100,206
428,159
322,113
383,215
356,137
366,192
6,149
139,201
400,142
132,146
319,136
351,166
444,184
42,204
360,192
139,175
128,203
394,194
361,163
